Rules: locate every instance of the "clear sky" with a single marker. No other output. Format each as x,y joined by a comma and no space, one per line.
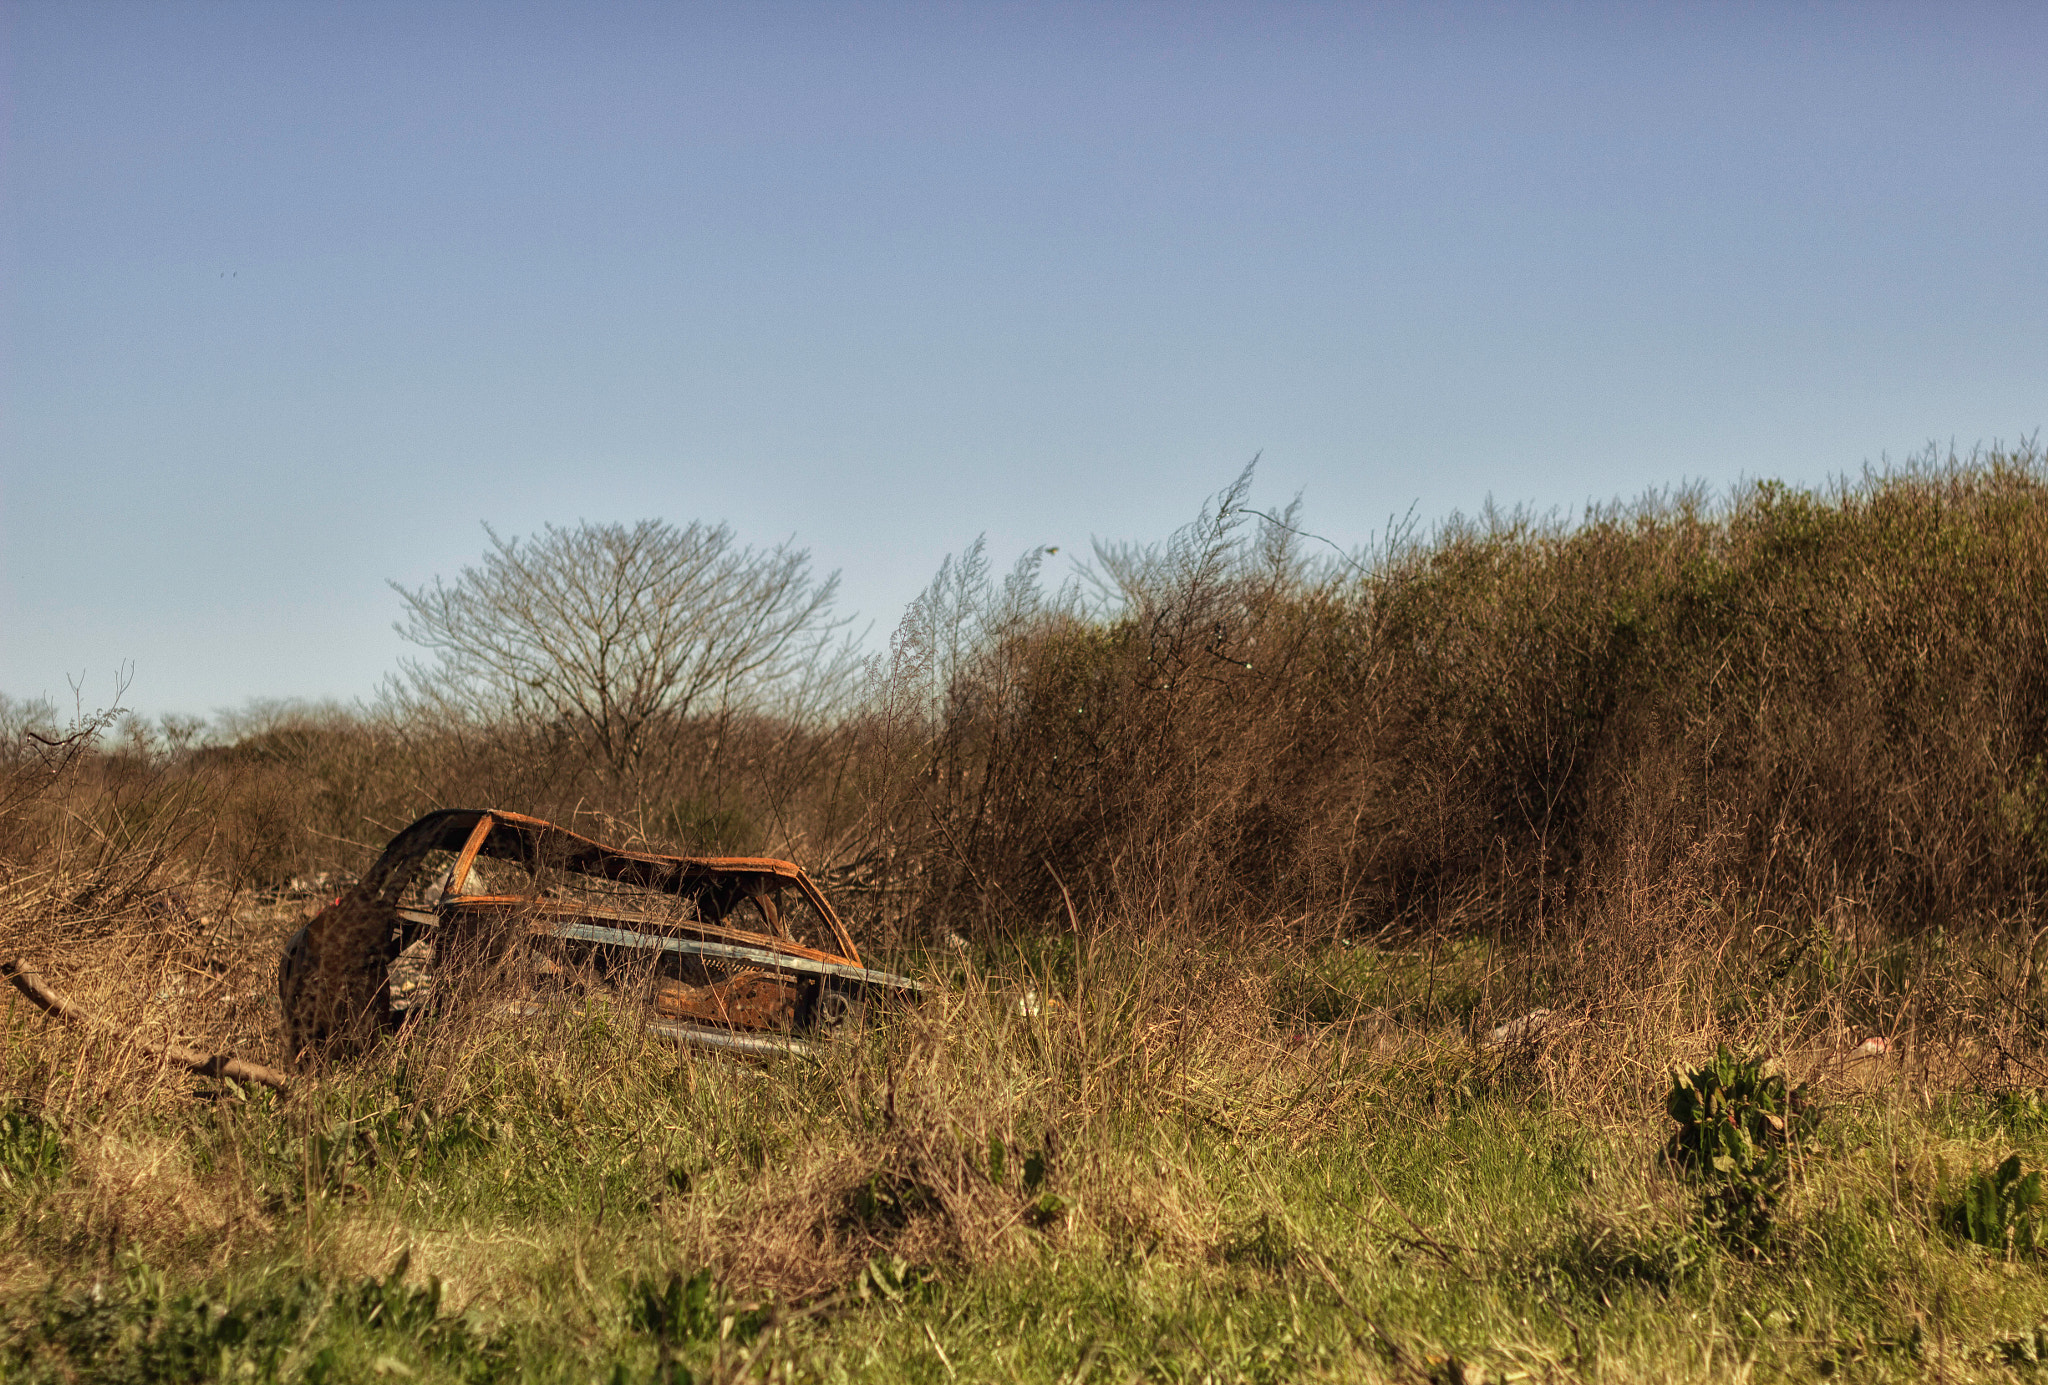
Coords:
293,296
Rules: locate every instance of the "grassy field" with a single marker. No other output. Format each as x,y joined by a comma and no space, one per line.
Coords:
1178,1168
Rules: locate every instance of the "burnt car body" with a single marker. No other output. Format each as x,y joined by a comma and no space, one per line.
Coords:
737,953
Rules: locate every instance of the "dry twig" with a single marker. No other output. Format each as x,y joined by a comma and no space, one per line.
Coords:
31,984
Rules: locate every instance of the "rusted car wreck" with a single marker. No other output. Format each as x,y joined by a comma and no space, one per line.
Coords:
473,906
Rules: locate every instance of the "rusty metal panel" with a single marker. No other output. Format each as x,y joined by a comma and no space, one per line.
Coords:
753,956
751,1000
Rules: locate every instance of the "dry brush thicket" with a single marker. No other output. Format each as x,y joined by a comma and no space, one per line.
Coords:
1800,733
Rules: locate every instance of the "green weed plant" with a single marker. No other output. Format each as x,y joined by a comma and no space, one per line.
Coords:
2000,1209
1739,1123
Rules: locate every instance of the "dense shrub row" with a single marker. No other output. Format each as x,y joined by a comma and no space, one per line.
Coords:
1795,700
1790,703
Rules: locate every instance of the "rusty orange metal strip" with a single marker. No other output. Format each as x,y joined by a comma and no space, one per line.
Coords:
459,877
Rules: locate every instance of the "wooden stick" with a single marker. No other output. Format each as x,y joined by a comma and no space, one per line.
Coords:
31,984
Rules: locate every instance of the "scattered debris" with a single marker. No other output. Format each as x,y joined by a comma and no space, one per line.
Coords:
1516,1031
742,954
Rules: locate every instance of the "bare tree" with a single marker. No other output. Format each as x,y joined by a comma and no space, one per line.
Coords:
605,630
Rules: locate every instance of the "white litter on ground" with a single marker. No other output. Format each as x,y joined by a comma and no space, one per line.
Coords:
1516,1030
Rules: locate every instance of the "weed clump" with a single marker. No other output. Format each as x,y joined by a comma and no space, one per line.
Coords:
2000,1209
1739,1123
31,1146
680,1312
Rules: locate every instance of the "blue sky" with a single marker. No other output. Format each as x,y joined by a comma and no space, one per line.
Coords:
293,297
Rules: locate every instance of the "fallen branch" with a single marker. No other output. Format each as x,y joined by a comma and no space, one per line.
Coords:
31,984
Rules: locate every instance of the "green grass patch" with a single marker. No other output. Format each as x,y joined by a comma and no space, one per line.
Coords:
1113,1188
